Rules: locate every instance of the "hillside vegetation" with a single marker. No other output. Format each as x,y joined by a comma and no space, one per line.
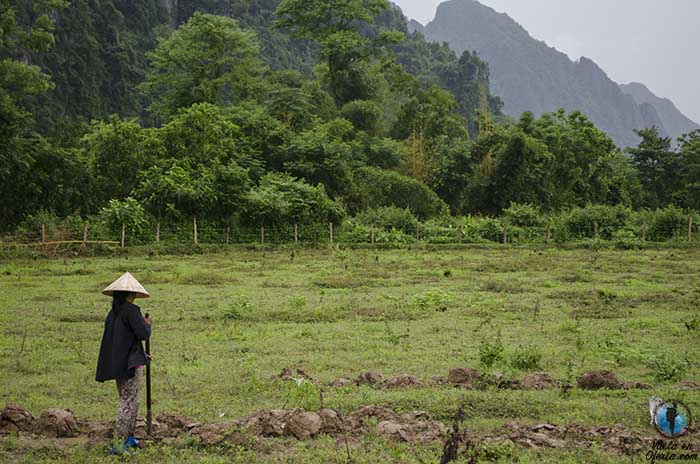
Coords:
256,113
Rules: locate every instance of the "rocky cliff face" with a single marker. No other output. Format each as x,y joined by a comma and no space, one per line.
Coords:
531,76
675,123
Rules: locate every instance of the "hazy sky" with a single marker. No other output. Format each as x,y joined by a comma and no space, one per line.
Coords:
650,41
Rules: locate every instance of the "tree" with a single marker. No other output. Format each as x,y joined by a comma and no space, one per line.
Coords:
656,164
688,189
429,125
582,156
521,174
282,200
325,155
204,133
119,149
335,25
25,28
175,193
127,213
210,59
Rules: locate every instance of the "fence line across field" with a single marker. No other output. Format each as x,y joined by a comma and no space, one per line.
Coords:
297,233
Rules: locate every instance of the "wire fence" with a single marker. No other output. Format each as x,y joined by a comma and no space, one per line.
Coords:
630,234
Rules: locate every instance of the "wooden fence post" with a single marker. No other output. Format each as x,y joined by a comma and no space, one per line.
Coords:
644,232
505,232
459,234
330,228
548,237
85,232
158,232
43,232
690,229
123,234
194,228
371,233
296,233
228,233
262,234
596,231
417,231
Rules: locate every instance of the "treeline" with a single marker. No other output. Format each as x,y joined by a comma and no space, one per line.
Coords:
384,120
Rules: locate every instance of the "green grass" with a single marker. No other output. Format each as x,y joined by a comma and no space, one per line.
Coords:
226,323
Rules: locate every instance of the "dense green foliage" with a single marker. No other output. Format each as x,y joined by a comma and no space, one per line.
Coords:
211,120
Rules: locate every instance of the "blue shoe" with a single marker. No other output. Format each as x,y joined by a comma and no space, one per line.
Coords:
131,442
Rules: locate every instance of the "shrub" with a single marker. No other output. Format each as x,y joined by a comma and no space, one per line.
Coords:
239,309
388,218
626,239
434,299
666,224
667,369
128,212
379,187
526,358
489,229
491,351
523,215
281,199
578,223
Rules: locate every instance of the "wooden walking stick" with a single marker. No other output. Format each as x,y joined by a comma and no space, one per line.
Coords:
149,418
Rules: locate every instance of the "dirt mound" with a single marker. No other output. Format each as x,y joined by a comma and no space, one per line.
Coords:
537,381
463,376
595,380
361,416
413,427
57,423
370,378
302,424
15,418
289,374
687,385
402,381
176,421
166,425
616,439
636,386
251,431
97,431
341,382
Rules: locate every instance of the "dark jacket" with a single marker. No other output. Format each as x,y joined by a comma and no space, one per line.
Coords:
121,350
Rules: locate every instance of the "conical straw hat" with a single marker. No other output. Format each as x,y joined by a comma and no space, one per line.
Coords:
127,283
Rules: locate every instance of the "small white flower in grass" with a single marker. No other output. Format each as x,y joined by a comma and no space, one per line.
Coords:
299,381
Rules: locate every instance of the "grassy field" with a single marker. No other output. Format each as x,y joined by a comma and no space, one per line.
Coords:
226,323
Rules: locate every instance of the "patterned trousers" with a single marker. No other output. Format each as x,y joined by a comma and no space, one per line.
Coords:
129,391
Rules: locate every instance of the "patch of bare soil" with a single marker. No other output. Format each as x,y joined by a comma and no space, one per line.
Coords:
469,378
615,439
462,376
688,385
537,381
251,431
289,374
595,380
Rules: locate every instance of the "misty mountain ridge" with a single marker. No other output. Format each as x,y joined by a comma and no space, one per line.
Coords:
529,75
674,121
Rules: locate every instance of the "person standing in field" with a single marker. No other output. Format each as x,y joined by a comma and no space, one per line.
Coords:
122,356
